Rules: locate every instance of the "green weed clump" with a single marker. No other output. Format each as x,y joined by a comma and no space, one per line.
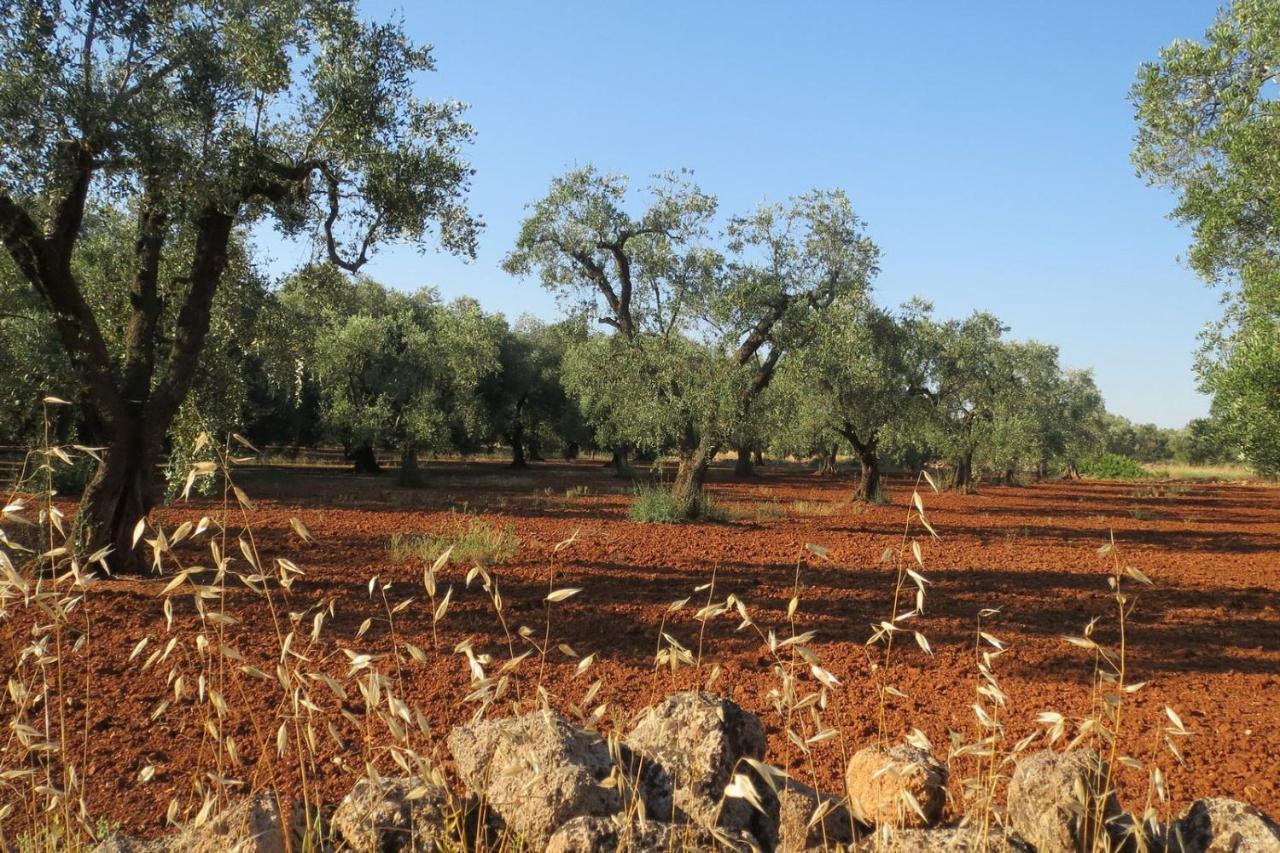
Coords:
1113,466
475,542
654,504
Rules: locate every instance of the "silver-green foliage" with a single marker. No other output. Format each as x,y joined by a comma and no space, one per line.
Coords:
701,317
1207,112
404,370
197,119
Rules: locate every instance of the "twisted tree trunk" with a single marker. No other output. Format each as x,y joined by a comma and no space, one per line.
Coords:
517,442
962,474
409,472
691,477
123,489
618,461
364,460
869,464
827,465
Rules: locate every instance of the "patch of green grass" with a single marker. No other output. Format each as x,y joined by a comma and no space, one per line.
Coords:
1113,466
52,836
654,504
760,511
474,542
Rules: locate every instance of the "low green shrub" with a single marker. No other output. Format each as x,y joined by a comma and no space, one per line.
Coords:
1113,466
654,504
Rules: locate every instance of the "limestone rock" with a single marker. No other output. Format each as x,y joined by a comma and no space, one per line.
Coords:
609,835
879,782
1223,826
1057,798
969,839
120,843
537,772
810,820
393,814
700,740
250,825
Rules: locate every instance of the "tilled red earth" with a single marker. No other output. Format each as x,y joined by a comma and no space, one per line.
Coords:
1206,636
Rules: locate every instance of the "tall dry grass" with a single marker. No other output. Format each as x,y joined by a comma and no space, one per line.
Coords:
296,697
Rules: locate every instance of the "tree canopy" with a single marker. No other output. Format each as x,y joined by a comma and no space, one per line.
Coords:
194,120
1207,114
701,318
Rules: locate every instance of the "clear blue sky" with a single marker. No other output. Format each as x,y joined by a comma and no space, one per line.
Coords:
985,144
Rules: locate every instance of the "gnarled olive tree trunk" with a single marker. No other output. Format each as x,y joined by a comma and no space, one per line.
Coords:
364,460
962,474
827,465
691,477
133,411
123,489
868,488
410,474
618,462
516,437
742,467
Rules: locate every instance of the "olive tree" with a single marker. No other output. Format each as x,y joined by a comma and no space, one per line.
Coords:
1030,420
527,403
636,274
1206,112
1075,426
861,378
200,119
698,329
405,371
970,372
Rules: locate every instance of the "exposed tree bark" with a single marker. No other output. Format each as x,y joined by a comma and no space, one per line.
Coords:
1073,472
516,436
827,465
759,456
123,489
868,488
618,462
410,475
364,460
962,474
742,467
691,476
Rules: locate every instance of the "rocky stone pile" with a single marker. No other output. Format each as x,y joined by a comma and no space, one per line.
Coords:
690,776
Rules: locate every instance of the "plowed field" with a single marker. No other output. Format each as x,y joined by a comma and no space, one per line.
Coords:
1205,636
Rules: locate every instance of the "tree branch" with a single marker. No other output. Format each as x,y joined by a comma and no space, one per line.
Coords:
42,262
213,234
140,335
68,214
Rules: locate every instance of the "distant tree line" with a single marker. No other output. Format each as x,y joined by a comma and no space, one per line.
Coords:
761,337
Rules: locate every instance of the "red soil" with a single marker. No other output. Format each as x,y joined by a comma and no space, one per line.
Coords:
1206,637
